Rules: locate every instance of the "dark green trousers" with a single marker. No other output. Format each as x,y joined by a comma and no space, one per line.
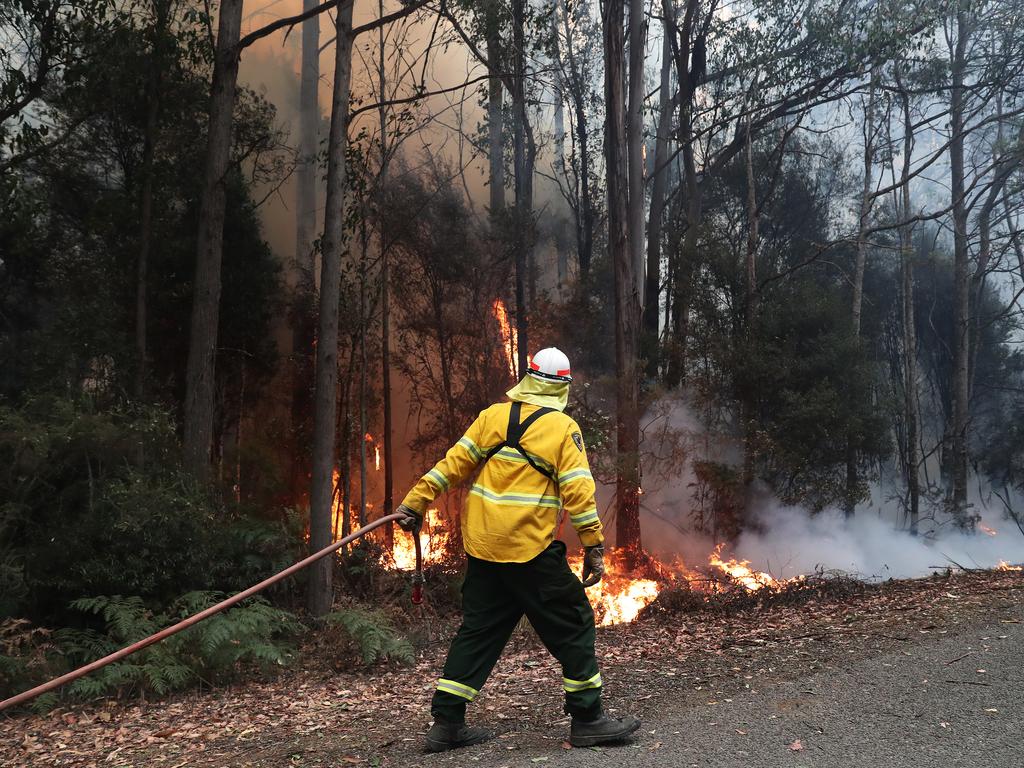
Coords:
494,597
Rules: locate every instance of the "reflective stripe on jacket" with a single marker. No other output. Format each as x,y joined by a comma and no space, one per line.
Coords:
511,512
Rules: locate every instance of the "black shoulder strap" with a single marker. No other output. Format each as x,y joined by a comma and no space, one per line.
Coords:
515,431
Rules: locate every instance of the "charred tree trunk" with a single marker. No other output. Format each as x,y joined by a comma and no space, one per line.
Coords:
202,351
627,301
325,399
961,278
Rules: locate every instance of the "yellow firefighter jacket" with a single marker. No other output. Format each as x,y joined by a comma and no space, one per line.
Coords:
511,512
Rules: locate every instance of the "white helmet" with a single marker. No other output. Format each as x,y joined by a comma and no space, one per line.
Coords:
550,364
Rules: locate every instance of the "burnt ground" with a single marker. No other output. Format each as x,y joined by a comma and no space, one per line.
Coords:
913,673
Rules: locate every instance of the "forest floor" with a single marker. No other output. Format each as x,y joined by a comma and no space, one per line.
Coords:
912,673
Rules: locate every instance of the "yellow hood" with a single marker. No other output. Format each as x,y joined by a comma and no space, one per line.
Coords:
546,394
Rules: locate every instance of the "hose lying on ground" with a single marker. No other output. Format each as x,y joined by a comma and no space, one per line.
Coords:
21,698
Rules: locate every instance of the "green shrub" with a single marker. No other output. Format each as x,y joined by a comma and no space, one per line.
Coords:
250,634
373,635
95,503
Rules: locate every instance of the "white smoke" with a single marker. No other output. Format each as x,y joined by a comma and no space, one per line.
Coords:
871,546
786,541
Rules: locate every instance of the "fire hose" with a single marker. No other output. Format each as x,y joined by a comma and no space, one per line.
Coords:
417,598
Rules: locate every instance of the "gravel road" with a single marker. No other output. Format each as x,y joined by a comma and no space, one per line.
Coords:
952,702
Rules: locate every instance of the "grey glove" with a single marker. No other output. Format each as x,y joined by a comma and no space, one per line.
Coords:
412,520
593,565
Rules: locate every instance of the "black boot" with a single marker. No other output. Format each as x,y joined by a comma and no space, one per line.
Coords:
603,730
444,735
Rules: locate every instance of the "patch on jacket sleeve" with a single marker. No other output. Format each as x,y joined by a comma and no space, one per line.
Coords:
578,439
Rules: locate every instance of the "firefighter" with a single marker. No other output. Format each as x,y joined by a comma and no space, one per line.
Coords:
532,464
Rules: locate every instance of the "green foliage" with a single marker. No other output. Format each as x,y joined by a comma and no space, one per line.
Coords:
252,633
373,635
93,503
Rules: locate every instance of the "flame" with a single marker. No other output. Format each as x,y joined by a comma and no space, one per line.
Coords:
376,457
509,336
433,541
741,572
986,530
1005,566
620,595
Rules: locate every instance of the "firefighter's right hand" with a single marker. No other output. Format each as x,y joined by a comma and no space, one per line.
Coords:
412,520
593,565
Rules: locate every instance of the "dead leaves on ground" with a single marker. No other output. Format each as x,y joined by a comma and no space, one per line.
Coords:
378,716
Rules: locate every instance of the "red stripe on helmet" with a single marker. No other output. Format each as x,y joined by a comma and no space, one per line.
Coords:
564,373
534,366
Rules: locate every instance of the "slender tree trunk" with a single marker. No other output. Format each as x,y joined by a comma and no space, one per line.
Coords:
635,138
750,311
522,238
303,328
202,351
866,202
961,278
495,95
627,301
364,324
659,188
675,375
305,165
325,398
911,414
686,259
345,443
385,293
577,91
161,11
753,239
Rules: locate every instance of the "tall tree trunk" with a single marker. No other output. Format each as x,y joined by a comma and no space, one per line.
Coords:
305,164
961,277
385,292
753,239
202,350
523,185
866,202
750,312
303,329
161,10
635,138
675,373
576,85
363,361
686,259
910,405
326,395
495,95
627,301
659,188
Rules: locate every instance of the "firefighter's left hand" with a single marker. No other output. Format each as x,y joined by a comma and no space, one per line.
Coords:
593,565
412,520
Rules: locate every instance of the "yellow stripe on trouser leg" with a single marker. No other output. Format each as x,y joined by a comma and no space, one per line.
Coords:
457,689
572,686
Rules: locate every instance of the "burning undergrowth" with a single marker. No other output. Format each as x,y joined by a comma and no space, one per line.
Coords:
633,581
